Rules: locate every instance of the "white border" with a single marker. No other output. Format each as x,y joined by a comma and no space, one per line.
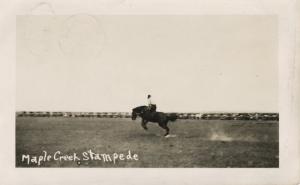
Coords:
288,173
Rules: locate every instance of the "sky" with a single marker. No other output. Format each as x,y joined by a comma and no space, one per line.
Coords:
188,63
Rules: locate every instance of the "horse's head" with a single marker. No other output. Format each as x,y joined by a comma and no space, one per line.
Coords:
133,115
138,111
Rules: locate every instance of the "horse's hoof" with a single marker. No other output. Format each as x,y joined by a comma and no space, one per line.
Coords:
169,135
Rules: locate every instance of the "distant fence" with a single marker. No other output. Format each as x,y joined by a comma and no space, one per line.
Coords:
230,116
74,114
202,116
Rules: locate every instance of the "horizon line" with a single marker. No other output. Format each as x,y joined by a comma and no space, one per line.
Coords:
157,111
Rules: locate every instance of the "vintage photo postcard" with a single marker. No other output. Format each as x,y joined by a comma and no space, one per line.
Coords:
182,93
147,91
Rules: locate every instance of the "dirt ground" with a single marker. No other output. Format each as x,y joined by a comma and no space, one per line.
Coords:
195,143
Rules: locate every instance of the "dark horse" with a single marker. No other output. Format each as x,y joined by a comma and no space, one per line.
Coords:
152,116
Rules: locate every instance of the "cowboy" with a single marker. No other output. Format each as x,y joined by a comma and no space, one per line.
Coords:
151,104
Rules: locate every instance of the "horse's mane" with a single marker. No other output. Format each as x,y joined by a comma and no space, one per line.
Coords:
139,108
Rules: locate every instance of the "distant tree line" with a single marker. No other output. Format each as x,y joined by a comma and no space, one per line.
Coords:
202,116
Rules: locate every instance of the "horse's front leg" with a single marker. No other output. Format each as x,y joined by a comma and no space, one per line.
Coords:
144,122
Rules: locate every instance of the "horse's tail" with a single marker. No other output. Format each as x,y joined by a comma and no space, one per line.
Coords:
172,117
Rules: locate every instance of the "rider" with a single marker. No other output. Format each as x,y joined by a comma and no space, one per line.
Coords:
151,104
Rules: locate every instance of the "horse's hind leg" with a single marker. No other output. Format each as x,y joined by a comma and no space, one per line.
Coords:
164,126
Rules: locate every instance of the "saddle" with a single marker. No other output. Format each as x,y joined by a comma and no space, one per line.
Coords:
152,108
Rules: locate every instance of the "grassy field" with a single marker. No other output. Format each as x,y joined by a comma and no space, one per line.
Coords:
198,143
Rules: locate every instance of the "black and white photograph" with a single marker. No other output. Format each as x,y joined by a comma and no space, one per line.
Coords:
160,91
149,92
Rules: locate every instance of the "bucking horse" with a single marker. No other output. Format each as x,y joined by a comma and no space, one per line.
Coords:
152,116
